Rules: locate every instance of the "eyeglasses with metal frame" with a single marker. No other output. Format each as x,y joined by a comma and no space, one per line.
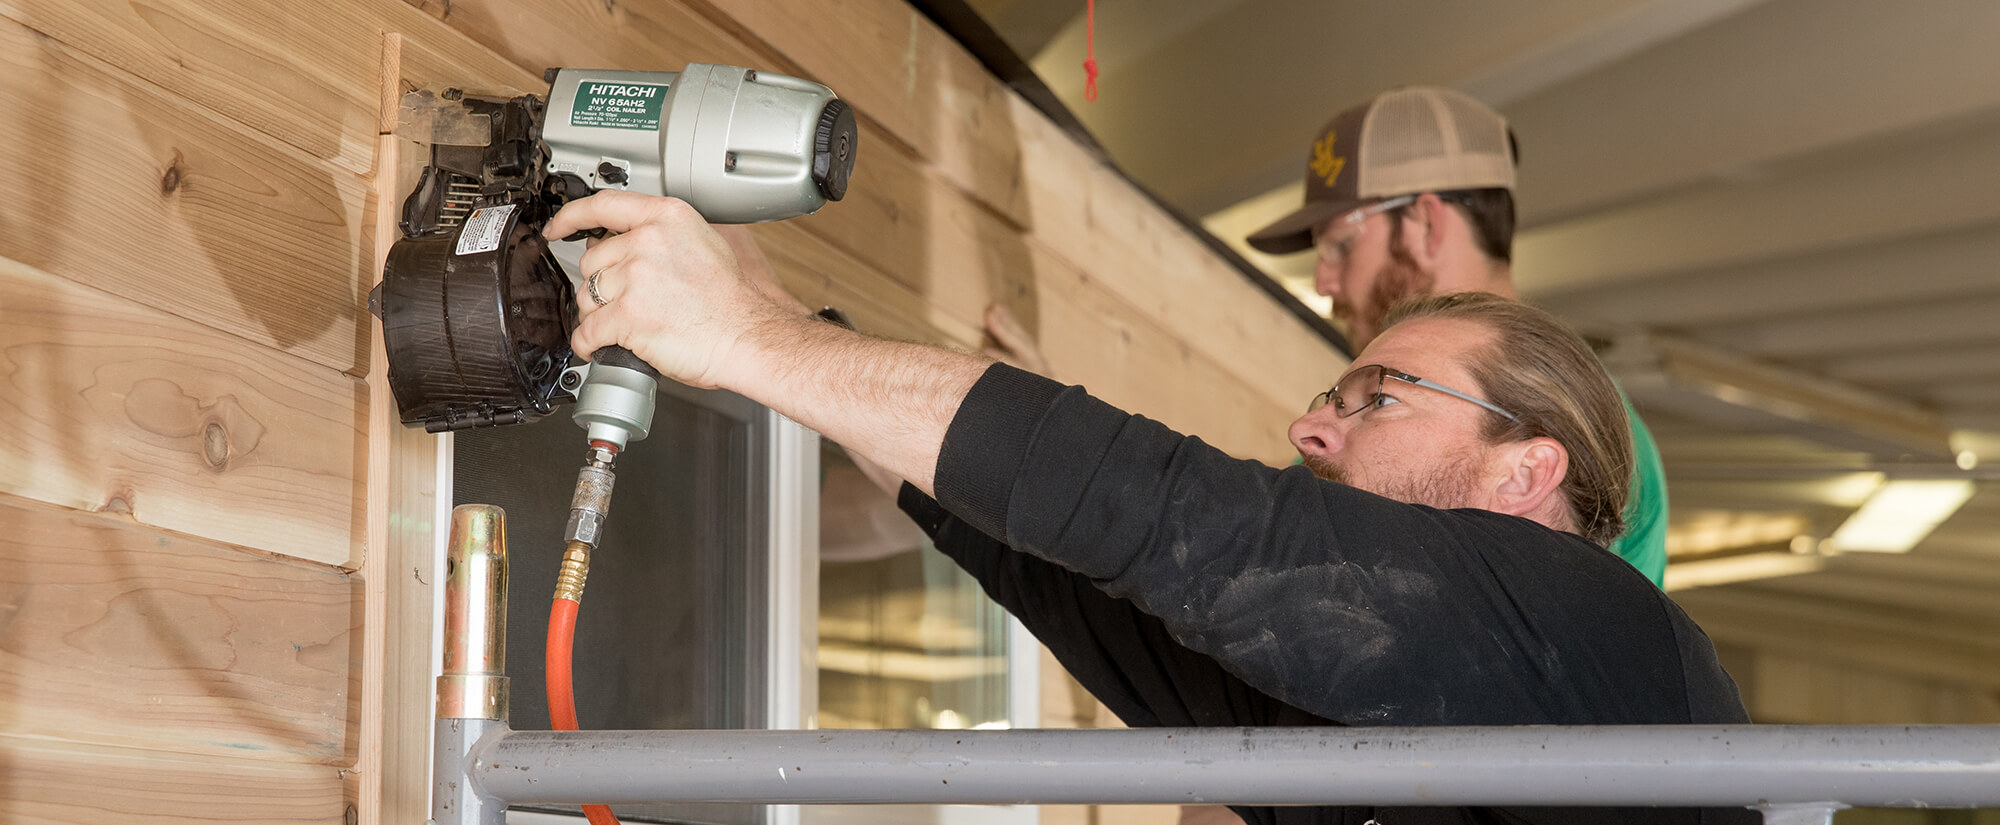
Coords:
1361,388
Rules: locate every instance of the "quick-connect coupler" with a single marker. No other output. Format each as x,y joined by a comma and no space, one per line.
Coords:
588,508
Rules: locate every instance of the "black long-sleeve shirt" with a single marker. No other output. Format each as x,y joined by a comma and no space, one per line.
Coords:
1187,588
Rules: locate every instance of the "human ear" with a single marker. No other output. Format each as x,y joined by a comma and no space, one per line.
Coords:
1530,478
1427,242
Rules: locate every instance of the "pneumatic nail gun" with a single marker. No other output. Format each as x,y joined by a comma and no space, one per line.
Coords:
476,311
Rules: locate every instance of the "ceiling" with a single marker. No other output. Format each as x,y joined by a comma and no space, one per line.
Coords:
1783,214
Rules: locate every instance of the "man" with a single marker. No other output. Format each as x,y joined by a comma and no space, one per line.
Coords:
1185,587
1411,194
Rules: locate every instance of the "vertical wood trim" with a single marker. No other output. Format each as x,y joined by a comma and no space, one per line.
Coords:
402,502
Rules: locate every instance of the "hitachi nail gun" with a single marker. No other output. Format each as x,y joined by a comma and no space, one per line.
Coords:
477,313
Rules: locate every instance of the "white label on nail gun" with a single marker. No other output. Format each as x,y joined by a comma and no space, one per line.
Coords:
483,230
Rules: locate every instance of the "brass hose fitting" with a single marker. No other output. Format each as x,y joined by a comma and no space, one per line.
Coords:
588,508
575,568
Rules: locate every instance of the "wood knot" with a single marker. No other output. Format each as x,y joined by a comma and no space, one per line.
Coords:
215,444
120,502
171,181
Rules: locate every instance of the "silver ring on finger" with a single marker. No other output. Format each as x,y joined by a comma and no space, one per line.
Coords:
592,285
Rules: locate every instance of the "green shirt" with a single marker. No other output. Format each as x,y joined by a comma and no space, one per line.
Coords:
1644,543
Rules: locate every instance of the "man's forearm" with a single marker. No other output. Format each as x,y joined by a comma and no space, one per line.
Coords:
889,401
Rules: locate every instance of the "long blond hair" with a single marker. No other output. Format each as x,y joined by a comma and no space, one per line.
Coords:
1550,380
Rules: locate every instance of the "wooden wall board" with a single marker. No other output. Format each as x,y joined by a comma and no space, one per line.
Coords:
236,158
905,74
959,254
162,202
1142,255
58,783
120,634
441,58
820,274
897,68
1087,338
296,76
927,221
404,466
307,77
115,405
591,34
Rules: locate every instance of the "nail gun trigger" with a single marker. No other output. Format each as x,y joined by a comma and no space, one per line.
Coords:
560,189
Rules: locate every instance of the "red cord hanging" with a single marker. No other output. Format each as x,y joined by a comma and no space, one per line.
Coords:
1090,50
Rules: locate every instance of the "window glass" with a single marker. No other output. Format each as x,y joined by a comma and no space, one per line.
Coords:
670,634
906,638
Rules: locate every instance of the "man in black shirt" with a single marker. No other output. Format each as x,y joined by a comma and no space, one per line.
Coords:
1438,560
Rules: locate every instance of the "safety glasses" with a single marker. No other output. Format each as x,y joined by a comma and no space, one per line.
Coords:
1333,242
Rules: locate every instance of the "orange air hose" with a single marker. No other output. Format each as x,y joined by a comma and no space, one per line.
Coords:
556,676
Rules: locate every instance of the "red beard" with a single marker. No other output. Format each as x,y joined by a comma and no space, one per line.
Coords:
1400,278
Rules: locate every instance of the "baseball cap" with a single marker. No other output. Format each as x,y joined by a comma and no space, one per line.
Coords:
1405,141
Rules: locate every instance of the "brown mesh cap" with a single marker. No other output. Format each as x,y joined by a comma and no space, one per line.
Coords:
1405,141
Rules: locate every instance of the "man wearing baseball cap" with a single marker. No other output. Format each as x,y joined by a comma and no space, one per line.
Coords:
1411,194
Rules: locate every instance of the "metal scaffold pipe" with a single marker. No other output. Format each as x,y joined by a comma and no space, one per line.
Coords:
1769,765
472,690
474,680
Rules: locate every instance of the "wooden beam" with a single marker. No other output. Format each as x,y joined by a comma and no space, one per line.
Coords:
60,783
118,406
163,202
119,634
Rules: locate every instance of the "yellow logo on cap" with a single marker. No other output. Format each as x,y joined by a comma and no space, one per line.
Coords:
1325,164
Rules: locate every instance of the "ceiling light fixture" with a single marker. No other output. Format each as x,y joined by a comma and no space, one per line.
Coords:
1732,569
1901,514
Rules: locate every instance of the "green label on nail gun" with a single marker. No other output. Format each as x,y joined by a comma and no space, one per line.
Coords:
609,105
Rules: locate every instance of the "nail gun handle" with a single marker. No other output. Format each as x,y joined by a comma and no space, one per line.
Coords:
617,356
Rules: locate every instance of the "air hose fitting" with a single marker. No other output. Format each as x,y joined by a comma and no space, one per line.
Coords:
588,508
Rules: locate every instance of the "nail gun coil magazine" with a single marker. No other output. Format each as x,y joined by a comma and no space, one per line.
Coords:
476,337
